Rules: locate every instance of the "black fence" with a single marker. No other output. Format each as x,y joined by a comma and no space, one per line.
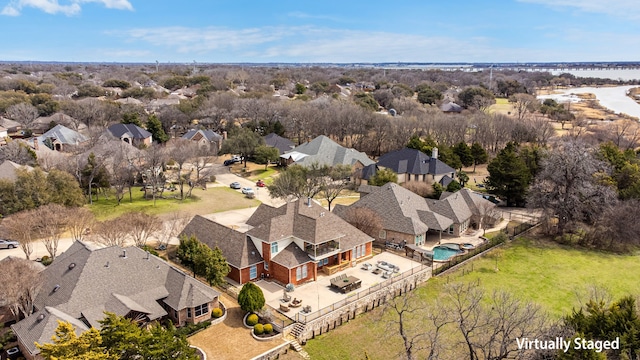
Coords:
439,268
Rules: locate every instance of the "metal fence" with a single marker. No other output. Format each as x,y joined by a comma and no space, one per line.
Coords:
305,318
470,253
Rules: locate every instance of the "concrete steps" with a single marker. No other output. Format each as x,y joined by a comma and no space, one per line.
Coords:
298,348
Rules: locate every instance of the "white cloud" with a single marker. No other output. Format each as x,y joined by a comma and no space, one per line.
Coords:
15,7
629,9
311,44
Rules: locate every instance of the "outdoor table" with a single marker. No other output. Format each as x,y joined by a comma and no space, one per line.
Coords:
348,284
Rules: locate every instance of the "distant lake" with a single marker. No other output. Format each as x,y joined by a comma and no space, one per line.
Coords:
614,98
632,74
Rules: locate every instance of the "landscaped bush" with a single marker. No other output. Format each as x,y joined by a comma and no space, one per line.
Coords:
252,319
258,329
268,328
189,329
46,260
216,313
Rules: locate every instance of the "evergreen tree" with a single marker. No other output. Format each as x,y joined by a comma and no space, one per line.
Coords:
251,298
382,177
509,176
67,345
464,153
154,126
479,155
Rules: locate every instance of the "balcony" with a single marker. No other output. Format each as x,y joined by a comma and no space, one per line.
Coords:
323,250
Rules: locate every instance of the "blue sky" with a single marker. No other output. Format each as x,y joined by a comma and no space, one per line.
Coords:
215,31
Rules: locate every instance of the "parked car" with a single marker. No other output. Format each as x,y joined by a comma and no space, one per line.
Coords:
229,162
8,244
235,185
260,183
247,190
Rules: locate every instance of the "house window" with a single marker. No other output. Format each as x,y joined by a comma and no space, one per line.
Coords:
266,266
301,272
383,234
274,248
201,309
188,313
356,251
363,250
253,272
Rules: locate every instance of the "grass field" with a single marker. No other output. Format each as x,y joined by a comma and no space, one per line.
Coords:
208,201
550,275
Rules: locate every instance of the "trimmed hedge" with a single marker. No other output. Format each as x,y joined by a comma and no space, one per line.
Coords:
216,313
258,329
268,328
252,319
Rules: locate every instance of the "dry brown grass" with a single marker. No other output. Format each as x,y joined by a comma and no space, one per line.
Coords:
230,339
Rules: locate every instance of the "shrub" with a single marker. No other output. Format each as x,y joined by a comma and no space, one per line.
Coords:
189,329
258,329
252,319
251,298
46,260
268,328
216,313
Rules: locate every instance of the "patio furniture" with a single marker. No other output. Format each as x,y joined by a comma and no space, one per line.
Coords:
284,308
366,266
295,303
346,283
306,309
377,271
387,274
285,297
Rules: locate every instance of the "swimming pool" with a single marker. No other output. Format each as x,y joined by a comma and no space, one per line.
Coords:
444,253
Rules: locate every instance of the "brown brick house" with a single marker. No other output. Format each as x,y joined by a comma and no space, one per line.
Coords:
288,244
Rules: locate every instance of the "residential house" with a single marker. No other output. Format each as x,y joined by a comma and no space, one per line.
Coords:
85,281
409,217
205,138
289,244
413,165
131,134
324,151
278,142
14,128
8,170
60,138
43,123
451,108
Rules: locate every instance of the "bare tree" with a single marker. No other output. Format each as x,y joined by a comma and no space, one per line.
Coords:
18,152
569,185
20,281
182,151
366,220
419,187
335,182
172,227
420,327
524,104
141,226
111,232
21,227
23,113
51,222
153,175
79,220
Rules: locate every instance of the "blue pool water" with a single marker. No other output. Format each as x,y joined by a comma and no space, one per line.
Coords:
443,253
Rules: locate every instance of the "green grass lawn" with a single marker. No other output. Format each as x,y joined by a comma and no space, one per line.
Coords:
208,201
553,276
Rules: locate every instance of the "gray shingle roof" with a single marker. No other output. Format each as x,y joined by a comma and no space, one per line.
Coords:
239,251
413,161
325,151
210,135
313,224
291,257
85,280
278,142
64,135
132,130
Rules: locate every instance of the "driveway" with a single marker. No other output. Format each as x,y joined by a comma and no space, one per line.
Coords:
262,194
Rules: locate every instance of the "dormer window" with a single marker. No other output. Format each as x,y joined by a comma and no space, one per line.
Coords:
274,248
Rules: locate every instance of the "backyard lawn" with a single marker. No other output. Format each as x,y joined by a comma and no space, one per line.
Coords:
553,276
208,201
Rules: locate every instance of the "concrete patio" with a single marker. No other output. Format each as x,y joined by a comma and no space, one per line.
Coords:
319,294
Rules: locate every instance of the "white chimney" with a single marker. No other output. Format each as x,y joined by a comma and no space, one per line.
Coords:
308,201
434,152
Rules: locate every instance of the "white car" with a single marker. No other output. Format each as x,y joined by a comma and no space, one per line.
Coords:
8,244
247,190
